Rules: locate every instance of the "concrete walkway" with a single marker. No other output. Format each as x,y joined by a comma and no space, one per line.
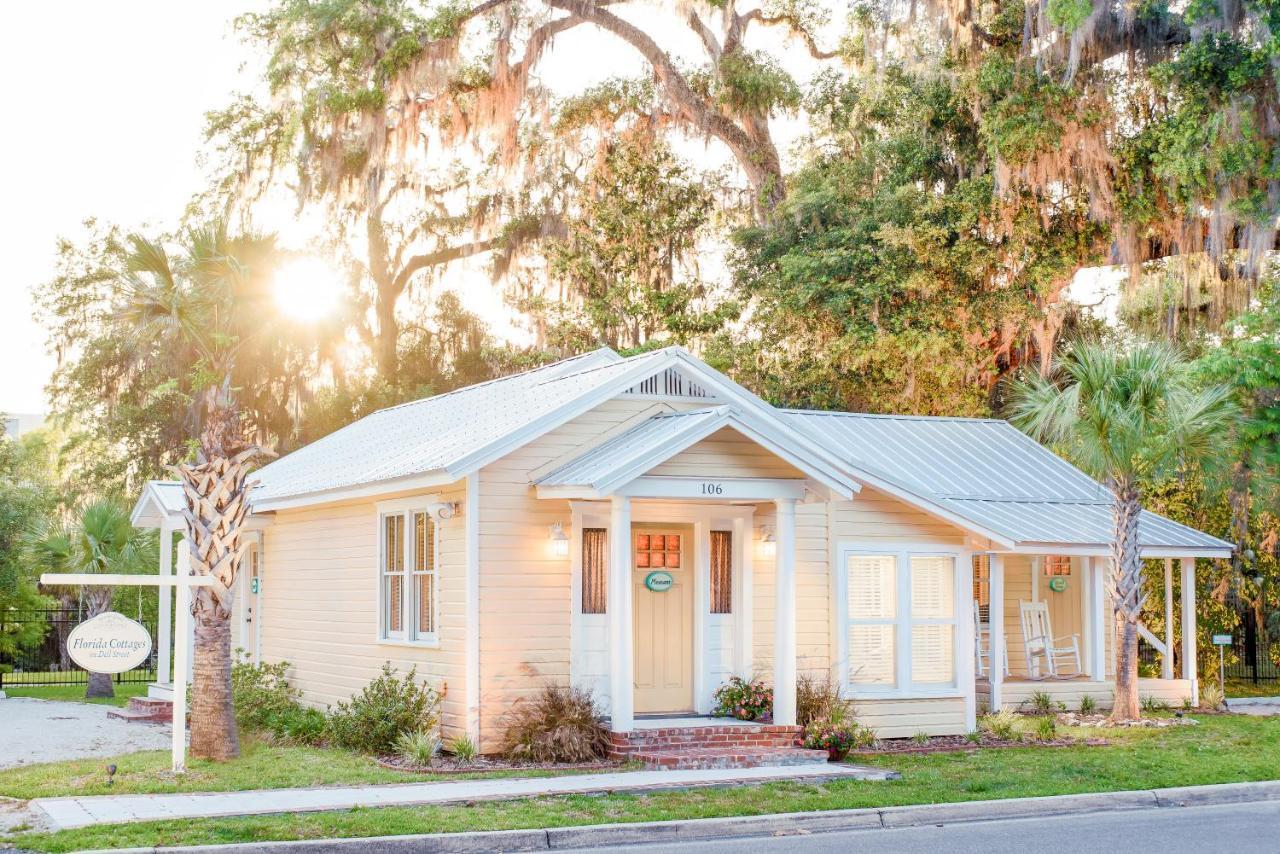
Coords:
115,809
1264,706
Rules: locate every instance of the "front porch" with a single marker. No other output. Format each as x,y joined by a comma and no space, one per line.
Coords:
1016,693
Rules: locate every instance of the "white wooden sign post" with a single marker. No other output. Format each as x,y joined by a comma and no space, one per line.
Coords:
181,635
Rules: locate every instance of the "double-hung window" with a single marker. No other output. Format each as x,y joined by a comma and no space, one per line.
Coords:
898,620
409,593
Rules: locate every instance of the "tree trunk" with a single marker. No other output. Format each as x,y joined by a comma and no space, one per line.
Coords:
213,719
98,601
1127,598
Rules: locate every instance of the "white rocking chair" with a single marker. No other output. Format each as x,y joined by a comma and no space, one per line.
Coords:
1038,641
982,644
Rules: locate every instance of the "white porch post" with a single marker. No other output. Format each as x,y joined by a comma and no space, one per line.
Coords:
1166,660
1189,670
621,639
965,641
784,621
164,616
995,614
1100,620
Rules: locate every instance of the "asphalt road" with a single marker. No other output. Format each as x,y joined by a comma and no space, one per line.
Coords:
1236,828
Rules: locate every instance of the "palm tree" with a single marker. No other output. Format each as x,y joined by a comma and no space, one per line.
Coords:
210,300
1123,415
99,539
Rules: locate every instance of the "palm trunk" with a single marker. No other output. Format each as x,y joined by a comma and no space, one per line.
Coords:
213,720
98,600
1127,598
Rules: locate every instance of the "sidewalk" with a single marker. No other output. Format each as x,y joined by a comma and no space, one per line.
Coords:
63,813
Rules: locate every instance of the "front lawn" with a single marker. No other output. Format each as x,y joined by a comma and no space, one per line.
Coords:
75,693
1221,749
1237,688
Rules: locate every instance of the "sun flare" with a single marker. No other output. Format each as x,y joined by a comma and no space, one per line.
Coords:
307,289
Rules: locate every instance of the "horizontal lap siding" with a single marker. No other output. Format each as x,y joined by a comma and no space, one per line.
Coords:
525,589
813,597
905,718
729,452
320,612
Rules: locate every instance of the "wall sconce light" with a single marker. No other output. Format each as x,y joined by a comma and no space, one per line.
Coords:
559,541
768,543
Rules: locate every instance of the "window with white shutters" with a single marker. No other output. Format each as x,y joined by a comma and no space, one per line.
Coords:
409,557
900,620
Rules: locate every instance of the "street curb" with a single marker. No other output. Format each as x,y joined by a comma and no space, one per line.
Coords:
782,824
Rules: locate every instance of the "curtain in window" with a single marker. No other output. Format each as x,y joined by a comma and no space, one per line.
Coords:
721,572
424,573
393,571
595,566
872,603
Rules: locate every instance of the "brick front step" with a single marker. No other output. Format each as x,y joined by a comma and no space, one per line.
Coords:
729,757
144,710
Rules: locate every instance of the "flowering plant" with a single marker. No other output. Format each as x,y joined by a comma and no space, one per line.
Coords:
837,737
746,701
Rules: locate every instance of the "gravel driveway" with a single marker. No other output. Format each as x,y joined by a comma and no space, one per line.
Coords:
48,730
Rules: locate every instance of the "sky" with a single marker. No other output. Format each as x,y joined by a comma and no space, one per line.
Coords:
106,104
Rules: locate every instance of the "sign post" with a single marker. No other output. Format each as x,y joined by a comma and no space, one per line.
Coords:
1222,642
181,640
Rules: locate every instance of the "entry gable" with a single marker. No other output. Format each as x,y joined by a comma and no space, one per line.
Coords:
645,447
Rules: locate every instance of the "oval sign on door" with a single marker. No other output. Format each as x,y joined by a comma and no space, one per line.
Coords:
659,582
109,643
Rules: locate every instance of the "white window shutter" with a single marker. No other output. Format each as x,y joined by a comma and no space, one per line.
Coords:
873,590
933,588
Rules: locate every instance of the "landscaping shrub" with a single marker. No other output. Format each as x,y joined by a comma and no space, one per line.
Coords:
1002,725
746,701
1151,705
1046,728
1042,703
260,692
389,706
298,725
1211,696
830,722
1088,705
818,699
464,749
418,747
561,724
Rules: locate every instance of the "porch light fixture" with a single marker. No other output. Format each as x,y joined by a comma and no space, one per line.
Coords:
559,541
768,543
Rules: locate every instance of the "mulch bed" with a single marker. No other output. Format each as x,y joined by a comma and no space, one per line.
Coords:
961,744
449,765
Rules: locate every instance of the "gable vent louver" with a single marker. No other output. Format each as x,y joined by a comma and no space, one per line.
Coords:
670,383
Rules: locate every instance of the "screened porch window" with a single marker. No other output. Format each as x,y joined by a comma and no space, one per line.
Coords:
900,620
409,580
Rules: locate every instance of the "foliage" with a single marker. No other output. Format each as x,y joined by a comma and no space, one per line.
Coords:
1211,696
838,735
26,497
418,747
1042,703
464,749
818,698
1088,705
1003,725
1151,705
1046,728
746,700
298,725
260,692
560,724
387,707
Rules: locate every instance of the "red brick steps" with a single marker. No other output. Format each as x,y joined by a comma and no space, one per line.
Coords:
145,710
715,746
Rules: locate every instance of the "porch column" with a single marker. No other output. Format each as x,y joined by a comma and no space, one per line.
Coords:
1189,670
995,614
164,616
1100,622
621,638
1166,660
784,620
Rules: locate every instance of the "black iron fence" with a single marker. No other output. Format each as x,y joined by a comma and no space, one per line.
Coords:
1254,661
45,661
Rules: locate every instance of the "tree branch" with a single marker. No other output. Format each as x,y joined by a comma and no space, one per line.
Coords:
791,22
438,257
704,32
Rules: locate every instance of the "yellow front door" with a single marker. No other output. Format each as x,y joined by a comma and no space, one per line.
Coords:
662,590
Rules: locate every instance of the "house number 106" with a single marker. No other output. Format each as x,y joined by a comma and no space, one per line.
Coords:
712,489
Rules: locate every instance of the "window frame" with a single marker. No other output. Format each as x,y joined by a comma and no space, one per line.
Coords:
407,510
903,621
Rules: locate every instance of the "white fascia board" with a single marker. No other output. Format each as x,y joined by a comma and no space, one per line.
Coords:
574,491
428,480
733,488
539,427
148,511
1185,551
1104,550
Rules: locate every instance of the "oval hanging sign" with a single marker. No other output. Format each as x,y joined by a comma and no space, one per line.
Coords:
659,581
1057,584
109,643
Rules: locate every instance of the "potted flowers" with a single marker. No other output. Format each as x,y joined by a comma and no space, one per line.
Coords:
746,701
837,737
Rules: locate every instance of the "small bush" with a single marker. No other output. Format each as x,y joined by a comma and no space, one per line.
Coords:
746,701
1151,705
921,737
818,699
1211,696
1002,725
973,736
1046,728
418,747
561,724
299,725
1042,703
260,692
373,720
464,749
1088,705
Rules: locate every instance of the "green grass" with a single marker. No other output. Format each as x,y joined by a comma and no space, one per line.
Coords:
75,693
1221,749
1245,688
261,766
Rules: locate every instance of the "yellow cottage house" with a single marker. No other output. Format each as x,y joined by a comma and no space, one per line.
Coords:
646,528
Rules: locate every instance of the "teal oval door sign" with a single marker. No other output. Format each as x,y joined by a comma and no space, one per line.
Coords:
659,581
1057,584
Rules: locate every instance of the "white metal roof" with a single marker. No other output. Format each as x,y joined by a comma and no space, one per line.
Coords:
991,474
161,500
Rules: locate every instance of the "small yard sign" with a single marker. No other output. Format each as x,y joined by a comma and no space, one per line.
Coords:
659,581
1222,640
109,643
1058,584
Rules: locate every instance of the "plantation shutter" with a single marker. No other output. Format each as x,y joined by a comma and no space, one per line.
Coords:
932,598
595,564
872,605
